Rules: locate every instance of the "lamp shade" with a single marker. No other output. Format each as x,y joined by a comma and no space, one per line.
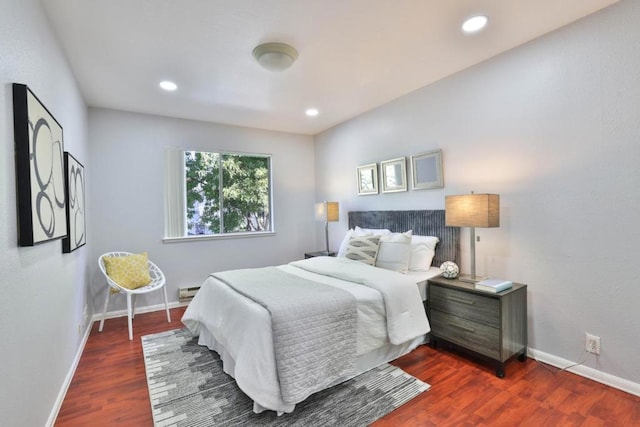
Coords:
472,210
327,211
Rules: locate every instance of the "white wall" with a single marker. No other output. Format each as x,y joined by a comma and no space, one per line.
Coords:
43,291
127,152
552,127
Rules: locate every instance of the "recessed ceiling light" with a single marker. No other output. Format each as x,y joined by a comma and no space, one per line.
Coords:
312,112
167,85
474,24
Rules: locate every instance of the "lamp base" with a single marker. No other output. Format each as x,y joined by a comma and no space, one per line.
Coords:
468,279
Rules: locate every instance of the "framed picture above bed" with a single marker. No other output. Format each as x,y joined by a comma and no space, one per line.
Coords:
367,179
39,170
394,175
426,170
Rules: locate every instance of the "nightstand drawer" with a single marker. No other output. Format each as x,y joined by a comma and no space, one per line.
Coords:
472,335
476,308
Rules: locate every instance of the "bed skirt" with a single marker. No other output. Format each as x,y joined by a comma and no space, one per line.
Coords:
363,363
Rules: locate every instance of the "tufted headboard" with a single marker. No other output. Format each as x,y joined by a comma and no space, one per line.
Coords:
423,223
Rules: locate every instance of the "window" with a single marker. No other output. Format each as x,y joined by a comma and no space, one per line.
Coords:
212,194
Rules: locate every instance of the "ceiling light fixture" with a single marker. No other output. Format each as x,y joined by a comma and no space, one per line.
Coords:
312,112
474,24
167,85
275,56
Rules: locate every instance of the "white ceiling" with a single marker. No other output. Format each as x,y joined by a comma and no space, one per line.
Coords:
354,55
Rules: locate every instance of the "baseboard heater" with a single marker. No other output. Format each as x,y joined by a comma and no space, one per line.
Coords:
187,294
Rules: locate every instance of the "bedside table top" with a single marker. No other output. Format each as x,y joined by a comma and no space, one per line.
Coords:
470,287
318,253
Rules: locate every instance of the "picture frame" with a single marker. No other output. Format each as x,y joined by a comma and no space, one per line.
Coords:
39,160
426,170
75,210
394,175
367,176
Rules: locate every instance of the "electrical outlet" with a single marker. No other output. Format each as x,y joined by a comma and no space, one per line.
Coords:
592,344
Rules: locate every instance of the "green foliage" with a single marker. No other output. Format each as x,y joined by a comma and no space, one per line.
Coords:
243,201
203,189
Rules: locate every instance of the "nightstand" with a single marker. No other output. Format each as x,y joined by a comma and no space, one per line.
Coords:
493,326
318,253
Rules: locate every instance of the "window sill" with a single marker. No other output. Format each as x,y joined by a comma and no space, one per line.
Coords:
218,237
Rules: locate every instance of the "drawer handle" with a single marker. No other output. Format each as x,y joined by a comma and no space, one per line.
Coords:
464,301
464,328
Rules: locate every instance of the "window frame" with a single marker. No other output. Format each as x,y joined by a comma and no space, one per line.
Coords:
175,212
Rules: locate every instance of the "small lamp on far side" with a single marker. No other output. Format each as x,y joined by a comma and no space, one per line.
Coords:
327,212
472,210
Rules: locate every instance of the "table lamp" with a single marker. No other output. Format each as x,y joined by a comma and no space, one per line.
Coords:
472,210
327,212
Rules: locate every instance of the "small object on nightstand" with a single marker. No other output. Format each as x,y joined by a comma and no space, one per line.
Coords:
494,285
450,270
318,253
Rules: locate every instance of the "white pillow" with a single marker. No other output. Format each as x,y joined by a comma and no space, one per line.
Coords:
423,249
372,231
395,252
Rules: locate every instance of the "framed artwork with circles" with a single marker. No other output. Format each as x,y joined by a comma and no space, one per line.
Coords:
40,179
74,180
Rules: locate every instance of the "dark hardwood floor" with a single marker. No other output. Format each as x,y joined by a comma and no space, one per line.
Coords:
109,388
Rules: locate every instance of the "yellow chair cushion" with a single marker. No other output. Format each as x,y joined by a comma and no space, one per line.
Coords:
128,271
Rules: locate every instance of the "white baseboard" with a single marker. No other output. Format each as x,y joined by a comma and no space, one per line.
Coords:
585,371
67,380
96,317
147,309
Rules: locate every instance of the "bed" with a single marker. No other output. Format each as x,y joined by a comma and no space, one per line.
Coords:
288,331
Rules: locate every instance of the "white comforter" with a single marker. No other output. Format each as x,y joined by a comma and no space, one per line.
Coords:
240,329
406,318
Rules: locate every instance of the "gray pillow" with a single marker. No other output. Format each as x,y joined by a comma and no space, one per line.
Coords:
363,249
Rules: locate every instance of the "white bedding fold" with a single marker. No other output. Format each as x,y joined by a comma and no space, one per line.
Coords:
239,329
406,318
314,327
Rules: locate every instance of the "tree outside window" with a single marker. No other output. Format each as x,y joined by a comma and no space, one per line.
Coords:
227,193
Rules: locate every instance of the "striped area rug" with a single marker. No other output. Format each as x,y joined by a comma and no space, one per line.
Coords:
188,387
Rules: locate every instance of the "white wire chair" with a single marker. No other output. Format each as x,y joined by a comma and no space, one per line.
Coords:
157,282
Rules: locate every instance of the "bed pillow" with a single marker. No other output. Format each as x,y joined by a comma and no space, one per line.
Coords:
423,249
345,242
359,232
395,252
363,249
128,271
372,231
